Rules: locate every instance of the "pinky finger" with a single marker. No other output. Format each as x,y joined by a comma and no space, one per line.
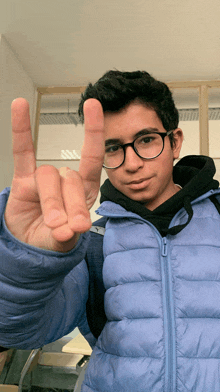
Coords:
66,233
63,233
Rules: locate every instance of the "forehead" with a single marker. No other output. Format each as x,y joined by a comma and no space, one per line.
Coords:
130,120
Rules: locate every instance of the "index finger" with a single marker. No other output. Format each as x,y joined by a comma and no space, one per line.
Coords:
23,147
92,154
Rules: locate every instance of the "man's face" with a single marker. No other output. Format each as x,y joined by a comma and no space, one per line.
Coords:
147,181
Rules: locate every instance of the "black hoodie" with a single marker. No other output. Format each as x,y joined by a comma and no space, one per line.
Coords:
194,173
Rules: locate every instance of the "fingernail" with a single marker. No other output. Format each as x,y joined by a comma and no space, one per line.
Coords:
80,222
64,172
80,218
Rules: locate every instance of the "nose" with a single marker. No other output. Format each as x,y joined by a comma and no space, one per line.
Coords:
132,161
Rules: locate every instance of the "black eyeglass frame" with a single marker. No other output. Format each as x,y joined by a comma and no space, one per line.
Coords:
162,134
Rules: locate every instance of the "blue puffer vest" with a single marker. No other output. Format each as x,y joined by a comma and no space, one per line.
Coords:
162,304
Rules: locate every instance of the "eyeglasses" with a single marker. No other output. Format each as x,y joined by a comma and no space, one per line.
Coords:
147,146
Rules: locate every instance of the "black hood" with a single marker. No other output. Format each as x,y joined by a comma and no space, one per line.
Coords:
194,173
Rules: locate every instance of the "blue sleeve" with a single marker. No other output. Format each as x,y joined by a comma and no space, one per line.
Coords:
43,293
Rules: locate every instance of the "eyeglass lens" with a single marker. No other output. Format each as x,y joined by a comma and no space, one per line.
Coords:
147,146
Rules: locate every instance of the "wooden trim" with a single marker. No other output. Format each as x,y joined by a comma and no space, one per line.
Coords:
194,84
203,120
60,90
81,89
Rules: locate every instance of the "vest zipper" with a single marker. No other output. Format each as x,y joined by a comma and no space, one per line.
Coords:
168,306
164,247
170,375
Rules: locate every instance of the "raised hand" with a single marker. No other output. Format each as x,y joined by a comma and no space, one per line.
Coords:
47,207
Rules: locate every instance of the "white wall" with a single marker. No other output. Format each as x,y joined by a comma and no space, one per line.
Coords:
14,83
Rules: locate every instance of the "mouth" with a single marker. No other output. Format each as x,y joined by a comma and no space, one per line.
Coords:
137,181
139,184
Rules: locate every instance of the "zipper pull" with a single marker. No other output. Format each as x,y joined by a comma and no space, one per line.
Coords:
164,247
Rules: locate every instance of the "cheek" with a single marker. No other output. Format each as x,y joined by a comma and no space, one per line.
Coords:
113,176
165,169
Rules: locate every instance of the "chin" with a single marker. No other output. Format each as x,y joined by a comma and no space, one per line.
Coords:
140,198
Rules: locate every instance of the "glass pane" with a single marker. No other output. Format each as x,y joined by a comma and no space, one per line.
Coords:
60,132
187,103
214,122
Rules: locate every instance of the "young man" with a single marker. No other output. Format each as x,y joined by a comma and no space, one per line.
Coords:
159,327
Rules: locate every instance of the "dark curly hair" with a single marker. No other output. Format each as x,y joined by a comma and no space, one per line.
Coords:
115,90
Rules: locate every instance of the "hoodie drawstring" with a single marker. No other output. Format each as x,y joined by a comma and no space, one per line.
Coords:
188,207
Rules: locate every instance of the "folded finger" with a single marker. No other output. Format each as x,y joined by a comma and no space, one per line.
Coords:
50,194
74,201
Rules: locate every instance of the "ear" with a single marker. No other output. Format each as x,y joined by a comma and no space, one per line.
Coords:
177,143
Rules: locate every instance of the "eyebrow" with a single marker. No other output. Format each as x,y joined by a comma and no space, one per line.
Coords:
144,131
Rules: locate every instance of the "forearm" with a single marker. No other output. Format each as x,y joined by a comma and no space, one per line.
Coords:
42,293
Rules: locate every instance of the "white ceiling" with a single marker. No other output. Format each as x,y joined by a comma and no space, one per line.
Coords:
73,42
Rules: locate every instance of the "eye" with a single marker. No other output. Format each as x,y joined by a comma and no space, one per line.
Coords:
112,149
146,139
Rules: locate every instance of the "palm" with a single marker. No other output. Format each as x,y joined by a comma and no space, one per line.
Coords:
24,214
48,208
